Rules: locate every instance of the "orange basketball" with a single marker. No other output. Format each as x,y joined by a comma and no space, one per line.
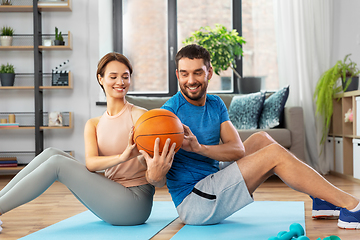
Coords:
158,123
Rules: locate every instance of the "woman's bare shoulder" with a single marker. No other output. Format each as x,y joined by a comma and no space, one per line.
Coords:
93,121
136,112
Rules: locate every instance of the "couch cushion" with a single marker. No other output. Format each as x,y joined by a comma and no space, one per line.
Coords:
273,109
147,102
227,97
244,111
281,135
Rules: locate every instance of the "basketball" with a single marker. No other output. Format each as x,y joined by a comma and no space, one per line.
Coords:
158,123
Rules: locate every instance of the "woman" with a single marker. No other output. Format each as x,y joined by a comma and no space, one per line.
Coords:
123,196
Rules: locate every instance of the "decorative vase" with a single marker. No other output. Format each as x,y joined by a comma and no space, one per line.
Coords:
6,41
7,79
58,42
250,84
354,84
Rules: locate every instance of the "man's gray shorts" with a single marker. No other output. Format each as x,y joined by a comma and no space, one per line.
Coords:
215,197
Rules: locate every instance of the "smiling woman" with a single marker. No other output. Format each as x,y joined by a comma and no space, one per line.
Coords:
124,195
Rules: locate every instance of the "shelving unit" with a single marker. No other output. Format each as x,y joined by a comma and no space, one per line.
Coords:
345,130
38,87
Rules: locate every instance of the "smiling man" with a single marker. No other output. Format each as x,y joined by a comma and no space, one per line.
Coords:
194,76
204,194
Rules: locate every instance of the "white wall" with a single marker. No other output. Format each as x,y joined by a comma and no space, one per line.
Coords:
82,22
346,30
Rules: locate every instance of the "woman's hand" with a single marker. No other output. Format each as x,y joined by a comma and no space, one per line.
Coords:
159,165
131,151
190,142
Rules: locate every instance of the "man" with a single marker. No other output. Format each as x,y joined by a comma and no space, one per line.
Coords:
201,192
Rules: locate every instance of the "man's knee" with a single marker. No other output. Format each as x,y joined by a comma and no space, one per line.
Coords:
262,135
275,152
265,138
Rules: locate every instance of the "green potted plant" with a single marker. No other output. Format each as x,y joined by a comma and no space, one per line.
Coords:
224,47
59,40
7,74
328,85
349,74
6,36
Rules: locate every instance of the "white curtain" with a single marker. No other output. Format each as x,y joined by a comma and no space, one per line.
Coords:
304,33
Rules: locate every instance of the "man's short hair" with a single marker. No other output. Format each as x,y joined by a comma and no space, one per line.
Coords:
193,51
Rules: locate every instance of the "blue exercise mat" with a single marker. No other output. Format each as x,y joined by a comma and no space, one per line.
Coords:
257,221
87,226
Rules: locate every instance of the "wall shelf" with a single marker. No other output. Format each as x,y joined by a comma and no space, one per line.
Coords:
16,48
24,128
26,120
43,6
11,8
67,38
18,88
70,86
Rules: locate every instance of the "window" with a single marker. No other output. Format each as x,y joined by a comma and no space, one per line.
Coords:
260,50
150,32
145,44
206,13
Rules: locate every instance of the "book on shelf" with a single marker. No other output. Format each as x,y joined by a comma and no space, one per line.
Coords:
9,125
8,159
9,165
8,162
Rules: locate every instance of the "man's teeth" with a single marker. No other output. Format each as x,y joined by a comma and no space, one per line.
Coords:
192,88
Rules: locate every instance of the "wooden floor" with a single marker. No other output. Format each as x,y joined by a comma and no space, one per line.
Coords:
57,204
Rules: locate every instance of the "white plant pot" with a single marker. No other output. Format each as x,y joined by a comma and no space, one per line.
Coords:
6,41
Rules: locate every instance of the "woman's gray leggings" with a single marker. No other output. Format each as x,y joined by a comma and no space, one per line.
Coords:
107,199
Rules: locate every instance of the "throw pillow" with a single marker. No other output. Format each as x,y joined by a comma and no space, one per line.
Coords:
273,109
244,111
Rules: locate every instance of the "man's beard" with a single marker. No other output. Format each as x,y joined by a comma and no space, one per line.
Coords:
194,97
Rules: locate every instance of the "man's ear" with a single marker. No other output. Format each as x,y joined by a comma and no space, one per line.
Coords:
177,74
210,72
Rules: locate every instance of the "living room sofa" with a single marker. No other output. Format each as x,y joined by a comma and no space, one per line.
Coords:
290,135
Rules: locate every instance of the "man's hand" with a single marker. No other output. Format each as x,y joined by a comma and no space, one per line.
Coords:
159,165
190,142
